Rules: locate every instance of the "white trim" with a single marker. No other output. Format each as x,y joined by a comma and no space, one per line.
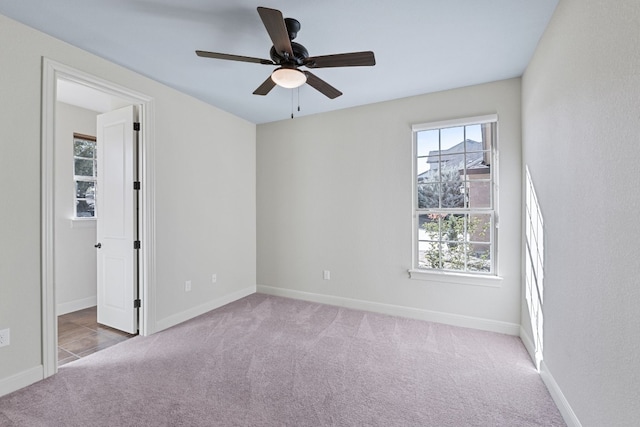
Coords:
183,316
53,71
456,278
397,310
561,402
146,163
49,325
528,344
21,380
82,222
489,118
75,305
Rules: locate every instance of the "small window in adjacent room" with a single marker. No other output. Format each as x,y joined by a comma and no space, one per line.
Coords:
84,175
454,201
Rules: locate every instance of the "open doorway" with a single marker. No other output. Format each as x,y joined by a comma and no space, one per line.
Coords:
66,235
80,335
77,167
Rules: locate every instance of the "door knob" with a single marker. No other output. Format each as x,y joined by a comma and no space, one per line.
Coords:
98,245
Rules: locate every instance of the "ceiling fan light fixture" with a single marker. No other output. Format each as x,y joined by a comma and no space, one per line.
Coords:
288,77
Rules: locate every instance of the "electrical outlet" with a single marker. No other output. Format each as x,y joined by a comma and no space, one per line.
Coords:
326,275
4,337
214,278
187,286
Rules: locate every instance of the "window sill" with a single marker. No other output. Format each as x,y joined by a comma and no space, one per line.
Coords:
82,223
456,278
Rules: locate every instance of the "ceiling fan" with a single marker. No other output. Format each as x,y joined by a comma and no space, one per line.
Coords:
289,56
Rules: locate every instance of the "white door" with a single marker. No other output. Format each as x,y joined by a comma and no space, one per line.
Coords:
116,227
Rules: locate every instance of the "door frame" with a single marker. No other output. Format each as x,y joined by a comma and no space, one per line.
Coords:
53,71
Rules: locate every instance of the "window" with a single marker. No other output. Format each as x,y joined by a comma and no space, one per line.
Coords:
84,175
454,217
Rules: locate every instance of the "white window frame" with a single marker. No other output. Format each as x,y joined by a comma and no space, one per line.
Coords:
83,178
465,277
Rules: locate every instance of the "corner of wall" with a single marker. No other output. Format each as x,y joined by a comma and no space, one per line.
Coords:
185,315
21,379
558,397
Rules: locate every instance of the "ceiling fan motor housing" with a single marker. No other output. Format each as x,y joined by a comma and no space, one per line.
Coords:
293,26
300,53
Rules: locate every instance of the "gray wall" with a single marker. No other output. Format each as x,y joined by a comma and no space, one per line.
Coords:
581,123
204,201
335,191
75,256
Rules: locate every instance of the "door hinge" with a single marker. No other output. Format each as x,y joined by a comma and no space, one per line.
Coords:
136,185
136,244
136,303
136,125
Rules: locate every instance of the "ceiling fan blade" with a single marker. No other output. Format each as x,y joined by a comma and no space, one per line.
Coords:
265,87
353,59
321,86
277,29
227,56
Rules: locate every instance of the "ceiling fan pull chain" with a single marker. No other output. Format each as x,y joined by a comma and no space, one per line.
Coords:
292,104
298,99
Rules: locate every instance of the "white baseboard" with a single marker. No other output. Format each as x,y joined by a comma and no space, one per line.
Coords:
528,344
558,397
203,308
397,310
79,304
21,379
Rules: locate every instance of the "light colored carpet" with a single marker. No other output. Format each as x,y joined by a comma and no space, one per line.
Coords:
270,361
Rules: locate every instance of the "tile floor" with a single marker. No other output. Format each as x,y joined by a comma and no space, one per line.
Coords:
79,335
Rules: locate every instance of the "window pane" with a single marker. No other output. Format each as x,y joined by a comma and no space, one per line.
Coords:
478,193
472,145
452,194
474,132
479,258
428,196
479,228
453,249
83,167
452,163
428,169
84,187
427,141
422,249
474,160
452,228
84,209
422,165
488,134
83,148
423,220
429,254
450,138
476,169
429,227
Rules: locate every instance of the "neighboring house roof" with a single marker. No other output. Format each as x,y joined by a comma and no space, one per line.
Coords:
456,155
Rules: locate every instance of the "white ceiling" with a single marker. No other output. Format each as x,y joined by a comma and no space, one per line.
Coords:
421,46
87,97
